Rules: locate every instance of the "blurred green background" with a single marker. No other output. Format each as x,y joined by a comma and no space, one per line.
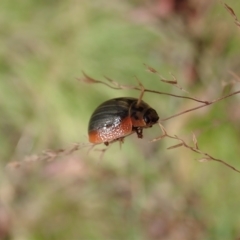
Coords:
141,191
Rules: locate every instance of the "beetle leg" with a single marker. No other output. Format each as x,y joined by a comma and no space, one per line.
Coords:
139,132
121,140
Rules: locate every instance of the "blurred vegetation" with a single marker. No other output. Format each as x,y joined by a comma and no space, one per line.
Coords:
142,191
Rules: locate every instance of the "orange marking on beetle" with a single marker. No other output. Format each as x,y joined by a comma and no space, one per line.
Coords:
111,133
138,123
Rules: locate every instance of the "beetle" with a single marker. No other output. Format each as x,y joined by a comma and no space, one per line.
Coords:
117,118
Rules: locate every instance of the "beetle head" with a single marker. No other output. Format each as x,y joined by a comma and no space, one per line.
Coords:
143,115
150,117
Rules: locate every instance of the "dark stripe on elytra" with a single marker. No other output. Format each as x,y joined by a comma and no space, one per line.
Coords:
110,112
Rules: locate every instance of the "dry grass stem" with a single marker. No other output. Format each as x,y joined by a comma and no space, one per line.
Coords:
206,156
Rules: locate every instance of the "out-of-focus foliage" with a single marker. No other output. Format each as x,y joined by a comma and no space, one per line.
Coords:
141,191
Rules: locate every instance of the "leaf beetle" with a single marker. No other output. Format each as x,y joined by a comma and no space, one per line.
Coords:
117,118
